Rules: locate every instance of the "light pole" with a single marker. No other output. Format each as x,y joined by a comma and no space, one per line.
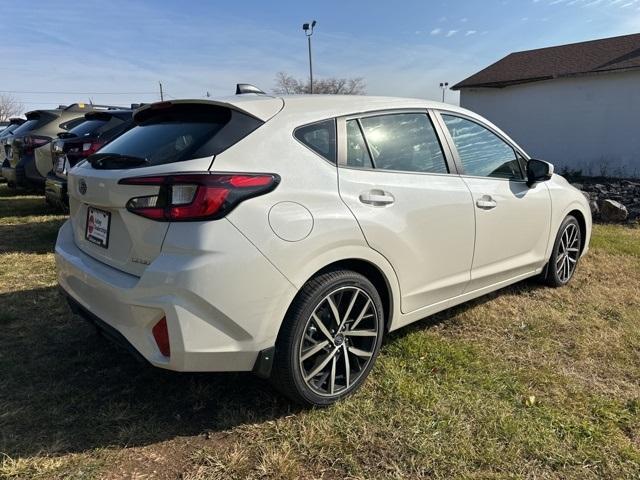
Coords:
308,31
443,86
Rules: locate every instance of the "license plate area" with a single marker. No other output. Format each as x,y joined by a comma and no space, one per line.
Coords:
97,227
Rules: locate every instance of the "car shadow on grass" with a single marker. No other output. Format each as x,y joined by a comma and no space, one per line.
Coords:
449,316
32,237
64,388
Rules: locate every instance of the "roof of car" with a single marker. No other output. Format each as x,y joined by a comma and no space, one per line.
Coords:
312,107
337,105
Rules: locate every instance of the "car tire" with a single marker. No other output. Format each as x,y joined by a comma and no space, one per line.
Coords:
329,340
565,254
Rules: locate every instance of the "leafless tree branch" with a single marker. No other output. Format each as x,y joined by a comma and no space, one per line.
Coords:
9,107
286,85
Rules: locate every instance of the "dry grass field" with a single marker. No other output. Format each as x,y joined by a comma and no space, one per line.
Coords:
529,382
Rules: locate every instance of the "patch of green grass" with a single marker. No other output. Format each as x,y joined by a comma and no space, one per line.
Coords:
528,382
617,240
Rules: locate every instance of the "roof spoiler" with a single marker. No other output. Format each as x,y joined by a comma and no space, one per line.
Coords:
242,88
81,107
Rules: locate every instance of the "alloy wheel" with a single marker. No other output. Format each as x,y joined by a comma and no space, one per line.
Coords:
339,341
568,252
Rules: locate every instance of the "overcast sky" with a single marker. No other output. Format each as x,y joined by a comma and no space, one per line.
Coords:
116,51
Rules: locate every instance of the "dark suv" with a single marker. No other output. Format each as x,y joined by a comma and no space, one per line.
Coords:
98,129
40,128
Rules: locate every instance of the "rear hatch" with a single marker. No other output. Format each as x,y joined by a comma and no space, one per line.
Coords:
25,138
169,137
85,139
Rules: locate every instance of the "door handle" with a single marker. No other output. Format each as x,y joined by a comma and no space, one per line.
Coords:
377,198
485,202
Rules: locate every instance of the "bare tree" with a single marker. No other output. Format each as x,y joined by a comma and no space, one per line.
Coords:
9,107
287,84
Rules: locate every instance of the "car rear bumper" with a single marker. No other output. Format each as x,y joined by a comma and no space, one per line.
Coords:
55,191
10,174
215,321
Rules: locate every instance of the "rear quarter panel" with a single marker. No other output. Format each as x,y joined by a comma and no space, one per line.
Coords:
309,181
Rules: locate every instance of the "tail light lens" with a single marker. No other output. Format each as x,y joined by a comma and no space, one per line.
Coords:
161,336
89,148
197,196
32,142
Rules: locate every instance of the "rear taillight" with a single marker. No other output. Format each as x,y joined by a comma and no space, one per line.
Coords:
89,148
197,196
161,336
31,143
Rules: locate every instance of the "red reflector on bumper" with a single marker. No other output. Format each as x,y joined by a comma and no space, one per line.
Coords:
161,336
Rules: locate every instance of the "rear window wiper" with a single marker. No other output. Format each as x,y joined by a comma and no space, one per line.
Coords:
114,161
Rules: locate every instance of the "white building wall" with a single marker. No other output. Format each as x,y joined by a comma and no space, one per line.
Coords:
589,123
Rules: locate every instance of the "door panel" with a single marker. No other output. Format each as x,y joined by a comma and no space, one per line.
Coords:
512,229
410,210
512,220
426,232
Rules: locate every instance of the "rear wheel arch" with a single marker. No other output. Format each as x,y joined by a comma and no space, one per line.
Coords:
374,275
369,270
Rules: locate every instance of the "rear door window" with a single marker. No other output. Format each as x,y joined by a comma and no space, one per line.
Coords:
404,142
181,132
357,151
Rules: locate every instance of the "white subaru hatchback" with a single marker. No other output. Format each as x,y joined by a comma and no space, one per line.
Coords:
287,235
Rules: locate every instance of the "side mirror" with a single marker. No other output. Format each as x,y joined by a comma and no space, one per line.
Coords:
538,171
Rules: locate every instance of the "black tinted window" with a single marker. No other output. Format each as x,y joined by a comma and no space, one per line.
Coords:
481,151
182,132
95,127
27,126
404,141
357,153
319,137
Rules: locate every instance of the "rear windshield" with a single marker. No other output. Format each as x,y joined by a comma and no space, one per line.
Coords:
27,126
182,132
9,129
96,127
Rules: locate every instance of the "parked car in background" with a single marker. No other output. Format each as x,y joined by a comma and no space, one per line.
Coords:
39,129
288,235
5,134
11,125
98,129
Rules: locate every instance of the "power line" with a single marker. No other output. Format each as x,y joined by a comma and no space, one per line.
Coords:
78,93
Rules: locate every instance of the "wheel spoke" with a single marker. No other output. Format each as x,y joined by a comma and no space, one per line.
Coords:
349,308
361,333
313,350
361,315
332,384
321,365
572,260
358,352
334,310
572,249
322,327
347,366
